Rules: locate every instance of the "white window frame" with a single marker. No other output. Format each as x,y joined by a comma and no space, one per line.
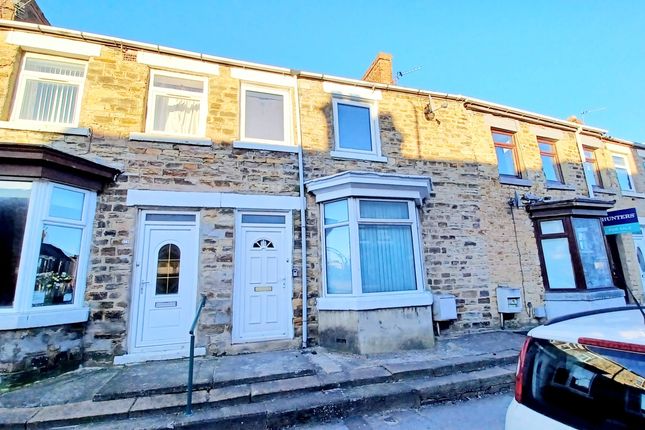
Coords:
26,74
379,299
154,91
626,167
286,94
22,314
375,133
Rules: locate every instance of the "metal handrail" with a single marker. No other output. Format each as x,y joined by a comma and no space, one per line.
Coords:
191,360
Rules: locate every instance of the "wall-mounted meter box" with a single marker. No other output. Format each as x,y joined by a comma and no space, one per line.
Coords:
509,300
444,307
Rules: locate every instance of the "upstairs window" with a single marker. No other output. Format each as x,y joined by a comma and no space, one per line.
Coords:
625,179
177,104
49,90
592,171
266,115
550,164
506,154
356,128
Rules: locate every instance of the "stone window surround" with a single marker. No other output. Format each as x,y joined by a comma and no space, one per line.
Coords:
18,123
44,166
375,185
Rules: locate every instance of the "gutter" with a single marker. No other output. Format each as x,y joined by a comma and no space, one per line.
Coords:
469,103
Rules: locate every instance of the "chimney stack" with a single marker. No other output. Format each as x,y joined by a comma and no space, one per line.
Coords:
380,70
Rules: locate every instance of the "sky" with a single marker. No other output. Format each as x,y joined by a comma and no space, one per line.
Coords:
556,58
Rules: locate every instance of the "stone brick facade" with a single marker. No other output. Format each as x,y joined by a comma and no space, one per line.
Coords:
472,241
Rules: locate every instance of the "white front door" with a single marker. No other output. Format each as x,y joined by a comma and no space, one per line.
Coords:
165,287
263,288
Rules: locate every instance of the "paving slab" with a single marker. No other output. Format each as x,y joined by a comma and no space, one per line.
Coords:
16,418
165,402
353,377
88,411
259,367
70,387
263,390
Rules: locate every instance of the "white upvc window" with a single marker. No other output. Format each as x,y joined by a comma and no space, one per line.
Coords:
265,115
371,248
356,128
46,252
177,104
625,179
49,90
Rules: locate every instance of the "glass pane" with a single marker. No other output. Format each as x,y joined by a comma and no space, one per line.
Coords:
502,138
387,258
14,203
590,173
593,253
383,210
57,265
546,147
264,116
176,115
168,269
552,227
624,179
48,101
67,204
182,84
558,263
55,67
336,212
171,217
505,161
263,219
338,261
550,169
355,130
619,161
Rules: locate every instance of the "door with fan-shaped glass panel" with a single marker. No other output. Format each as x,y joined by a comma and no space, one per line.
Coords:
262,302
167,282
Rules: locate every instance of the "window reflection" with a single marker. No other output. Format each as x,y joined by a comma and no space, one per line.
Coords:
591,245
57,265
168,269
67,204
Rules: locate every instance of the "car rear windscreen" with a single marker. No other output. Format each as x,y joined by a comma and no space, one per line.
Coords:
585,387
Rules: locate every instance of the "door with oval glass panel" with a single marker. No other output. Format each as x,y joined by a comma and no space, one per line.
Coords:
167,281
262,307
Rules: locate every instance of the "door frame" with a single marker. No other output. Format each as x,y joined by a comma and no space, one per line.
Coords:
137,268
237,270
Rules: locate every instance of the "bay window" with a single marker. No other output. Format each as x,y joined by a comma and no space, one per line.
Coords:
45,235
371,247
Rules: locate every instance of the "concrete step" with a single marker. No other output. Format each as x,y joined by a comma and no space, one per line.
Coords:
263,406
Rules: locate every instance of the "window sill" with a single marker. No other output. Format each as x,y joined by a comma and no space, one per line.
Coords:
559,186
344,155
510,180
598,190
46,128
633,194
183,140
265,146
382,301
20,320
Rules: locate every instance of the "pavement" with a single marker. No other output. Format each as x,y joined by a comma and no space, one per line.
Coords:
264,390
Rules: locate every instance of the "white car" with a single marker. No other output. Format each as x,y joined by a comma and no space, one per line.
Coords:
582,371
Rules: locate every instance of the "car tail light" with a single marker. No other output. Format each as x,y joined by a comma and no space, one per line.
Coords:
519,376
611,344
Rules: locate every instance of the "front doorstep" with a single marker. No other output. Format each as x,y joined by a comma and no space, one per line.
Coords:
141,357
569,302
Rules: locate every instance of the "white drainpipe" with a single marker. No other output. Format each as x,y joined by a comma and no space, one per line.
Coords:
303,215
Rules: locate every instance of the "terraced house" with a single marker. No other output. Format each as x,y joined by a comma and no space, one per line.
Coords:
308,209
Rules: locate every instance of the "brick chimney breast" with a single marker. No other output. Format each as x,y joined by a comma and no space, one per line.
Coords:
380,70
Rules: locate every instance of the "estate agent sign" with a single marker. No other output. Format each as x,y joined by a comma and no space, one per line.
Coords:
621,221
